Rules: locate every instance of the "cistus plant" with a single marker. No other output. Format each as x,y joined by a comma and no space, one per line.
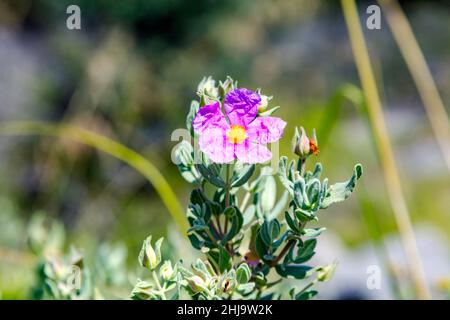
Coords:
251,238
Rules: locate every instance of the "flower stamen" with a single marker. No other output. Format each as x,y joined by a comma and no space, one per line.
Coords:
237,134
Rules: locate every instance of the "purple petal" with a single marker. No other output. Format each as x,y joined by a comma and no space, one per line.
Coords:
214,143
241,106
209,116
249,152
265,129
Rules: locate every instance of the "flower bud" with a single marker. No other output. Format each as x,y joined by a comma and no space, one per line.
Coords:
166,271
226,86
207,87
144,291
197,284
304,146
228,285
264,103
325,273
149,257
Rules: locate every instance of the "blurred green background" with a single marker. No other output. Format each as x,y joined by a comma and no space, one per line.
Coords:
130,74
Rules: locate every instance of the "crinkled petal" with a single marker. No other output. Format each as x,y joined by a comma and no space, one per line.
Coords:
249,152
266,129
209,116
241,106
214,143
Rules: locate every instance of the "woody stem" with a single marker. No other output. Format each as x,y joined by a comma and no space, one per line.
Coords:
283,252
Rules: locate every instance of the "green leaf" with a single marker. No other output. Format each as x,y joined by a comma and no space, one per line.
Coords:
224,260
269,112
307,295
340,191
313,232
281,204
195,241
237,221
210,175
249,213
292,270
261,247
246,289
269,231
306,251
304,215
243,175
292,223
300,197
268,194
197,197
243,273
282,166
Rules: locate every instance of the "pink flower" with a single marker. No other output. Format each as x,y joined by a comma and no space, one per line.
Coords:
241,134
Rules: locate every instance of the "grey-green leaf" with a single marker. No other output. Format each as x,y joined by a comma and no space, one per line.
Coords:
268,194
340,191
243,176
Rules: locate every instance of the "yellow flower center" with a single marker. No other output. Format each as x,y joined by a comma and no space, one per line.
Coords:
237,134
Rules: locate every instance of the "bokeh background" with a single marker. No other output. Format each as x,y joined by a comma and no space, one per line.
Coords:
130,74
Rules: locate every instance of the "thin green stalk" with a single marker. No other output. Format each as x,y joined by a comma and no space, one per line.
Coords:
417,65
245,201
121,152
227,194
158,284
386,155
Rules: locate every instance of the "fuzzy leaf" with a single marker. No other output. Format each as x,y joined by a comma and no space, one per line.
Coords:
292,270
243,273
340,191
243,176
314,232
307,295
210,175
268,194
306,251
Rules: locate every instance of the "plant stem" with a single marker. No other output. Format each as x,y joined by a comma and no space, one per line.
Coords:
227,194
219,226
158,284
245,201
302,166
227,188
107,145
283,252
417,65
309,285
386,156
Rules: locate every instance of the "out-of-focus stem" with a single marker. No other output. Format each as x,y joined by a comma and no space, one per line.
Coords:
132,158
417,65
386,156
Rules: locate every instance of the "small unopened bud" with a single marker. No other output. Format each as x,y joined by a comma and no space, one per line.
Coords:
149,257
325,273
228,285
166,271
226,86
207,87
197,284
144,290
264,103
304,146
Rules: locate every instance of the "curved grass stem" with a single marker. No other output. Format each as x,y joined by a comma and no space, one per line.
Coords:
417,65
107,145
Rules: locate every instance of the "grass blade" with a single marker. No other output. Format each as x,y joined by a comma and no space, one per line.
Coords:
386,155
107,145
